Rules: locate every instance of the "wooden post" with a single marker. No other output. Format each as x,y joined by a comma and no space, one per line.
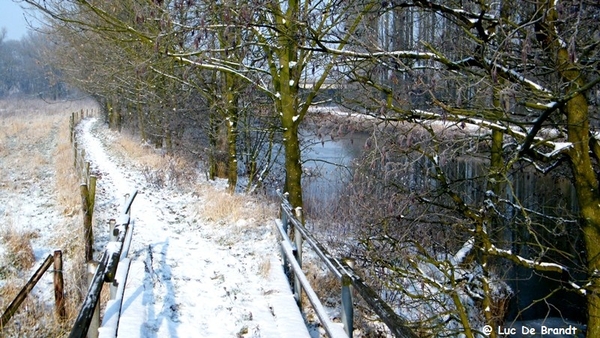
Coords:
75,153
59,293
298,255
92,331
347,301
92,192
71,127
113,238
347,306
111,229
88,199
88,234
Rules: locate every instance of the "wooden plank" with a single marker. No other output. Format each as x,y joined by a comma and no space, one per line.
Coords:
110,322
290,324
133,316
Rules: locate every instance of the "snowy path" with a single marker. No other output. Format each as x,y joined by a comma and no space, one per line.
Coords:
189,279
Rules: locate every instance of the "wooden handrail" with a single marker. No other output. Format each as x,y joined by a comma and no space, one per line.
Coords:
105,272
84,318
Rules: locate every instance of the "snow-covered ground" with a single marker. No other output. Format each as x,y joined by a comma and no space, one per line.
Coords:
189,277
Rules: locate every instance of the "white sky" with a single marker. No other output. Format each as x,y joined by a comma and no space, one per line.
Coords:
12,18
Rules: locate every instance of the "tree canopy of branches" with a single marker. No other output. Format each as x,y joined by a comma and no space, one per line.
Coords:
526,73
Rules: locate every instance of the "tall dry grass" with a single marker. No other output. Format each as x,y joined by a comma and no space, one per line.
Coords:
35,155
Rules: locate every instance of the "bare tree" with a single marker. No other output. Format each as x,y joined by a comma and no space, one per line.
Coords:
524,75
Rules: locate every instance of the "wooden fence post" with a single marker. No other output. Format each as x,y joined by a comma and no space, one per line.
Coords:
113,238
88,199
347,301
298,255
92,331
92,191
75,153
88,234
72,127
59,293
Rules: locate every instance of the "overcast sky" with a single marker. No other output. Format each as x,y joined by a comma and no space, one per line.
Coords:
11,18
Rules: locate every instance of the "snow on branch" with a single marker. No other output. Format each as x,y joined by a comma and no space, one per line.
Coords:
407,54
539,266
512,74
225,69
558,147
460,256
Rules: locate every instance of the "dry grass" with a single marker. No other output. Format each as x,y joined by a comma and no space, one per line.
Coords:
220,205
159,169
66,181
17,249
35,147
143,154
264,268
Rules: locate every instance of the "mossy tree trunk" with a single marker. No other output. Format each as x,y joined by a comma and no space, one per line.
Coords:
586,186
580,155
285,79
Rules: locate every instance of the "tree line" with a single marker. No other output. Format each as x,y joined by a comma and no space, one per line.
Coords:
23,71
513,85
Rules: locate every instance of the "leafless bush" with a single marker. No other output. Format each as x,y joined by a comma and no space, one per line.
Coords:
408,238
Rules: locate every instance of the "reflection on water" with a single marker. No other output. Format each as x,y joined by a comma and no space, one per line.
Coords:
327,170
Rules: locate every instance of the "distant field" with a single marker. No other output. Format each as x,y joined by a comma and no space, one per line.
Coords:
39,198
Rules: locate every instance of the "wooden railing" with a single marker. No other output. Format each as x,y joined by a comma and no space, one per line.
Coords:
290,222
59,301
112,268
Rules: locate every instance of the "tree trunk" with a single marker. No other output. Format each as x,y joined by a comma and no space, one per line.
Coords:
293,167
213,134
585,180
586,186
232,132
286,81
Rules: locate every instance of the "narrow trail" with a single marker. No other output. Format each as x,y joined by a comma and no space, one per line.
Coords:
188,278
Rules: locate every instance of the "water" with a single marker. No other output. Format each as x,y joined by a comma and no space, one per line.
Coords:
327,170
